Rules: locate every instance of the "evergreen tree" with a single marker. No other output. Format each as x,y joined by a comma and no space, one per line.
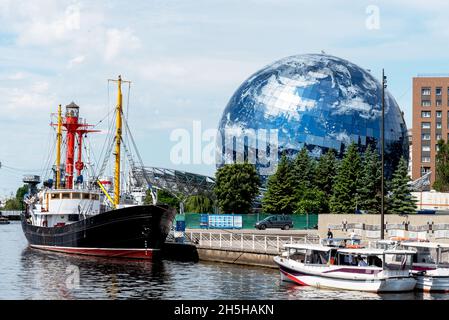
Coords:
324,178
236,187
401,200
312,201
369,183
441,183
303,169
280,195
344,191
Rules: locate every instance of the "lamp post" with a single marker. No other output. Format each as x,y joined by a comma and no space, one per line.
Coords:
382,218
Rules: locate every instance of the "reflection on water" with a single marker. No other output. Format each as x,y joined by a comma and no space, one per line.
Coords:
31,274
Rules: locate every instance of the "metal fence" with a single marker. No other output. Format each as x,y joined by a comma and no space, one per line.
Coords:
245,241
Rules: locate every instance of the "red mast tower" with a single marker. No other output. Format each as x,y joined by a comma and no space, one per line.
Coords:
75,129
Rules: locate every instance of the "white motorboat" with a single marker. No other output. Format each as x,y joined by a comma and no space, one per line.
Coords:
430,265
349,269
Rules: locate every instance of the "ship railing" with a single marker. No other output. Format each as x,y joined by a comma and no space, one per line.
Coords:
249,242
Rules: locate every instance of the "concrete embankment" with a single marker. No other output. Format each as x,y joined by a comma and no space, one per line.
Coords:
261,259
244,247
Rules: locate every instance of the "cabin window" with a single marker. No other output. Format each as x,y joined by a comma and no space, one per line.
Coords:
76,195
85,196
66,196
56,196
94,196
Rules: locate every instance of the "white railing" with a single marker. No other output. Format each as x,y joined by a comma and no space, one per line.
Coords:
244,241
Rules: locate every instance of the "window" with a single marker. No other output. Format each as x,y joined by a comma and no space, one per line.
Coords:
438,91
437,148
94,196
425,136
76,195
425,125
438,125
438,136
425,170
438,103
439,114
425,148
425,114
425,103
85,196
425,91
55,195
66,196
425,159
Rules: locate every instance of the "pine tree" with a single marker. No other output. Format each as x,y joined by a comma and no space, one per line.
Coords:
325,172
343,198
401,200
280,195
441,183
304,169
369,183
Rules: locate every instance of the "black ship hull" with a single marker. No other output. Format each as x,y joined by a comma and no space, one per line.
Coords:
132,232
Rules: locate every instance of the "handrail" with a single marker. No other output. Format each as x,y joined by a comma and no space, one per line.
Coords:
243,241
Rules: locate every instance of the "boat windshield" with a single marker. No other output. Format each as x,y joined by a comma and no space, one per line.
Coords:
297,254
398,261
316,257
361,260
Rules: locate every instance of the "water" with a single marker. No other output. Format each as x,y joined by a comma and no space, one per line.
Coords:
30,274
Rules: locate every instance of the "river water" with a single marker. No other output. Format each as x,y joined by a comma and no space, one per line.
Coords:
31,274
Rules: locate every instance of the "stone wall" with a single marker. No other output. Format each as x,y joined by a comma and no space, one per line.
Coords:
367,226
237,257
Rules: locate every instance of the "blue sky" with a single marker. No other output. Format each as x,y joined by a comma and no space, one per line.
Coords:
185,58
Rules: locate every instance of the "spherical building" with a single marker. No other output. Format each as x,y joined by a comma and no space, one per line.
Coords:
315,101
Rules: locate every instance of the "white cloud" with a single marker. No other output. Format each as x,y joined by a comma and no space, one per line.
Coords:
119,41
75,61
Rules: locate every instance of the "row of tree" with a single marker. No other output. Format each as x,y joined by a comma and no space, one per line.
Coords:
304,184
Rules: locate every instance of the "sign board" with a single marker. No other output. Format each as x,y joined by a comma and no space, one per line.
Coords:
225,221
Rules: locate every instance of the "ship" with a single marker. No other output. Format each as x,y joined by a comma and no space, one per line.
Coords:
93,216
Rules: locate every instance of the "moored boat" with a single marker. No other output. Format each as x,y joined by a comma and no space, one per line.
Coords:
348,269
430,265
70,214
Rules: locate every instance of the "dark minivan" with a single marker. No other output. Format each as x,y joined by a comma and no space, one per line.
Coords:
284,222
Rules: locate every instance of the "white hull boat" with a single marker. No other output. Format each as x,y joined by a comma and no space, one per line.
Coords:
332,269
431,265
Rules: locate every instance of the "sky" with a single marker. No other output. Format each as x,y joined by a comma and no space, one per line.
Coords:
185,60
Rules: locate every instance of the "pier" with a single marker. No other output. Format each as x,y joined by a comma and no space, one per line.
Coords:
244,247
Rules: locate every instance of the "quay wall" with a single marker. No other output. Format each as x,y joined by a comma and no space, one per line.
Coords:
367,226
251,258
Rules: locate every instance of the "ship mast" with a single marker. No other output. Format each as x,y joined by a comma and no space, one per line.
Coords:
58,149
118,139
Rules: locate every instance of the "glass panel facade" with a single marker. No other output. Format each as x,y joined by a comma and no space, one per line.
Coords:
318,102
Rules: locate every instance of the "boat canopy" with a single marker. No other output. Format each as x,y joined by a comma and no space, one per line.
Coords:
431,245
315,247
375,251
